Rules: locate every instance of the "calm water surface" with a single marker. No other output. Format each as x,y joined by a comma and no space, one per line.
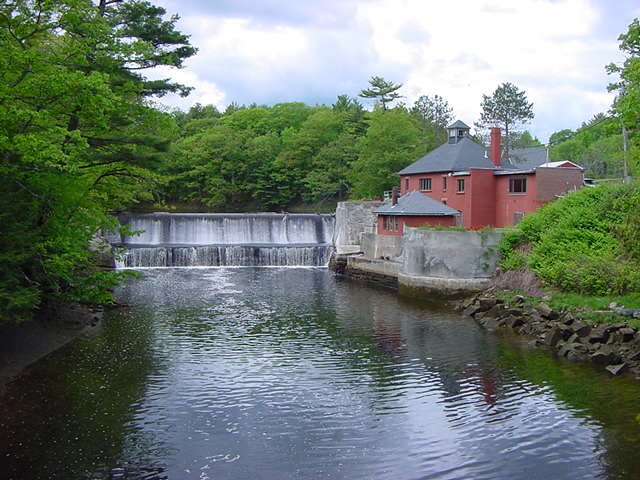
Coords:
285,373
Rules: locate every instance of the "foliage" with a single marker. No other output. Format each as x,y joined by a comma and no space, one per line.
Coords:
435,114
507,107
267,157
382,90
627,103
393,140
280,156
524,139
77,137
596,146
584,242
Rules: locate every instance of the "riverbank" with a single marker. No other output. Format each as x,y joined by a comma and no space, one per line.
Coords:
23,344
612,346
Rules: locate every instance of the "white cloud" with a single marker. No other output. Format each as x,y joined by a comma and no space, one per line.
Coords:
544,47
204,91
459,50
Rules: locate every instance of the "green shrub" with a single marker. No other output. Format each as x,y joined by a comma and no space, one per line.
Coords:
585,242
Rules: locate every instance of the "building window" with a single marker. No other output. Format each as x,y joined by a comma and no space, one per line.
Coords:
425,184
406,184
444,184
461,185
517,185
390,223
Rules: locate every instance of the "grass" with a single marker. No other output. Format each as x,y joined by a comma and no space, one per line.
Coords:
595,309
590,308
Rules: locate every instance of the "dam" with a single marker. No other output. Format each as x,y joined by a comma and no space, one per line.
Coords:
229,240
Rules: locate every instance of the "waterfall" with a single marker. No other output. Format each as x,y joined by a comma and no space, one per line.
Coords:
197,239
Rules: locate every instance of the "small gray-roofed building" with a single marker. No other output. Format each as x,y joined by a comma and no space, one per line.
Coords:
415,203
528,158
451,157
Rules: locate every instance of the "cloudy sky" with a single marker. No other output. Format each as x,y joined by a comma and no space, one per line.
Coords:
269,51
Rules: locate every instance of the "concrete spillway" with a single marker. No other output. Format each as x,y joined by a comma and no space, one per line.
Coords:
167,240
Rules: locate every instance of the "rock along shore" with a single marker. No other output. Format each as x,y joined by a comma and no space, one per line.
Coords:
615,347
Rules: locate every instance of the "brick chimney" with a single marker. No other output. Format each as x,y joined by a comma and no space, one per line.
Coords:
394,196
495,149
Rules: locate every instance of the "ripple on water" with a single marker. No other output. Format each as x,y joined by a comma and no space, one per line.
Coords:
250,373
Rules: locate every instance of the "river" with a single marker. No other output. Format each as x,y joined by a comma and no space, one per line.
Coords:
292,373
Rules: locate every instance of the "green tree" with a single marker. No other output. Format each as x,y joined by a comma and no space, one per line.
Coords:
524,139
77,137
560,136
506,108
383,91
393,140
596,146
627,102
435,114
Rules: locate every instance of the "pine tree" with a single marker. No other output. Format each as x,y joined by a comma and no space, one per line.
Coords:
382,90
506,108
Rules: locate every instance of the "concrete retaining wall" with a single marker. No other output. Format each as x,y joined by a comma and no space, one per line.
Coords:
382,247
352,220
429,263
450,254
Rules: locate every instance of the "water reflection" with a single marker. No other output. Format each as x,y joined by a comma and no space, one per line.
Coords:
288,373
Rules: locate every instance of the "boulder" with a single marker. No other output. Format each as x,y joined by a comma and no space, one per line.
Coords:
580,328
491,324
518,299
574,351
627,334
546,311
496,311
553,336
598,335
616,369
485,303
576,356
614,327
605,355
515,321
471,310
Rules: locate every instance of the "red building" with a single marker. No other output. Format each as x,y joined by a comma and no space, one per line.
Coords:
475,188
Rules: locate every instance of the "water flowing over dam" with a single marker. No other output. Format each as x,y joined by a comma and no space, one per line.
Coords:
212,239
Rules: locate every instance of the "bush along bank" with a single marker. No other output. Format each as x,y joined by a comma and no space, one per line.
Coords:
613,346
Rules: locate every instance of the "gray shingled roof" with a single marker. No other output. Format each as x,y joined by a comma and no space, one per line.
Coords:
416,203
458,124
527,158
451,157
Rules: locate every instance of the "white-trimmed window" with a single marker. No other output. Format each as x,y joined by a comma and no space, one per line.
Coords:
425,184
518,185
460,185
390,223
444,184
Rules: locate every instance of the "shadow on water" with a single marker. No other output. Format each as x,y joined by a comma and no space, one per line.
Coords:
288,373
67,416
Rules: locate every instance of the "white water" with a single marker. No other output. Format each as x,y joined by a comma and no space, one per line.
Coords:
168,240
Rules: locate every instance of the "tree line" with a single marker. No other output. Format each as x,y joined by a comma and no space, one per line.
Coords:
273,157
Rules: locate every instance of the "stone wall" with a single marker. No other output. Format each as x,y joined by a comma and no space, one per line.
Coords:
352,220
